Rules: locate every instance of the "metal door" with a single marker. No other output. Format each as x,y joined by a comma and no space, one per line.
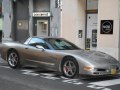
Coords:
91,41
21,20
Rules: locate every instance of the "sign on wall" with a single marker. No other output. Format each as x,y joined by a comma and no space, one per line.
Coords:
106,27
41,14
80,33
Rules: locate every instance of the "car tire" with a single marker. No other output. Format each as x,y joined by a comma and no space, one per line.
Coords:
69,67
13,59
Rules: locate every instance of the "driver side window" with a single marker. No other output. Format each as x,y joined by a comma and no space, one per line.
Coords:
37,41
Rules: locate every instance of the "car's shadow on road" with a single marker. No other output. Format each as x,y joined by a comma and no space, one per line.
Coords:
41,70
99,78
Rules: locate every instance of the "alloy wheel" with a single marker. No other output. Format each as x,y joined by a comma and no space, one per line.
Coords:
69,68
13,59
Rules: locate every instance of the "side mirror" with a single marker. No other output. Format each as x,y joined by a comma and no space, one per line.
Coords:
40,47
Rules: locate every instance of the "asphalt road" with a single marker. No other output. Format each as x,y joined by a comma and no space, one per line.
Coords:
28,78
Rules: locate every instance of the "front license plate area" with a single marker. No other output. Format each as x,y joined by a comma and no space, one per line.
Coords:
113,71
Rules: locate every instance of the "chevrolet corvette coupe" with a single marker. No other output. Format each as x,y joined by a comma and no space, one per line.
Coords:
59,55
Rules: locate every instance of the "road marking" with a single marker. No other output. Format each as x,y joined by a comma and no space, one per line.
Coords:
107,83
29,72
49,76
106,89
103,84
63,77
52,77
98,87
6,67
73,81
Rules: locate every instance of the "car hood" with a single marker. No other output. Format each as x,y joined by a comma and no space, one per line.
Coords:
92,56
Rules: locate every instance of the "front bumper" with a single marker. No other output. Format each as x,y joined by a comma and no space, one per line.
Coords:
110,70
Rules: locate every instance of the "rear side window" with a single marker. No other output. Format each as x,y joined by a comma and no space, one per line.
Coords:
62,44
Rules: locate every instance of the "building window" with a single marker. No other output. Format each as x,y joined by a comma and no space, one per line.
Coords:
57,3
92,4
41,5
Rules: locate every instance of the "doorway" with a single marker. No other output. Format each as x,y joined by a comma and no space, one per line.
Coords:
42,27
91,37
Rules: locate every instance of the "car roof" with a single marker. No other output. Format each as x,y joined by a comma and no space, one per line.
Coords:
47,37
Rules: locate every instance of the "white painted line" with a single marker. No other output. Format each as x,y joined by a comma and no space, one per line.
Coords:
78,83
29,72
107,83
95,87
106,89
47,74
63,77
50,77
6,67
73,81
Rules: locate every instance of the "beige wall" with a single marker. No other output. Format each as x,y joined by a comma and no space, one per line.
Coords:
73,19
109,10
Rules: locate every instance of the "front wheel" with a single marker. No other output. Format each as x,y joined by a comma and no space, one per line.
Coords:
13,59
70,67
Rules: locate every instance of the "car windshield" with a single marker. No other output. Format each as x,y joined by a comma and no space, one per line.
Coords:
61,44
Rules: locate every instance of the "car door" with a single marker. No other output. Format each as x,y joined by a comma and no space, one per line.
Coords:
40,56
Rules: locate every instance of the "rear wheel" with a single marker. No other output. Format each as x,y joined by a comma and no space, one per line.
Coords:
13,59
70,67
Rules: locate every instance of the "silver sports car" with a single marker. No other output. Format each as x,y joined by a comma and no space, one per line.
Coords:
59,55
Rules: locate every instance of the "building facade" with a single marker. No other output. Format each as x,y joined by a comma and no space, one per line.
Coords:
24,18
97,20
90,24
